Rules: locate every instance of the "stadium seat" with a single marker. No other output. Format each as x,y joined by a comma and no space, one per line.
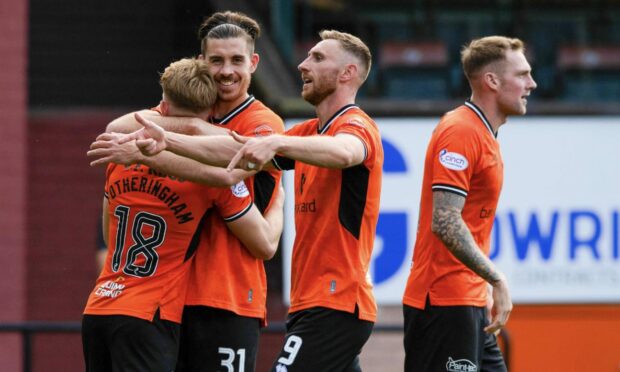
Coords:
590,73
414,70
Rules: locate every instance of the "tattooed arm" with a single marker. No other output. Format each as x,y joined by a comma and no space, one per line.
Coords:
449,227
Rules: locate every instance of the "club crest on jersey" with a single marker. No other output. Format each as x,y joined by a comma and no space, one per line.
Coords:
356,122
240,190
263,130
453,160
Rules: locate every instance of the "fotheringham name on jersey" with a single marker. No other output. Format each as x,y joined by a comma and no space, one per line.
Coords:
153,187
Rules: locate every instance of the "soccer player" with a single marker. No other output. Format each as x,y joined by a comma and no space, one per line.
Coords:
338,160
131,320
446,325
225,308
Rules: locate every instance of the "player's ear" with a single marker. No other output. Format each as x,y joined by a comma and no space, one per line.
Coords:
349,72
201,56
254,59
165,107
491,80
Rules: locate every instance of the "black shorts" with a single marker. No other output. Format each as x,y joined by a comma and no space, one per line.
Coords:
321,339
115,343
450,338
217,340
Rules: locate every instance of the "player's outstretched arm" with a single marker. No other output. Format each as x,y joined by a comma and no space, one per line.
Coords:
340,151
212,150
448,225
261,235
153,139
186,125
107,149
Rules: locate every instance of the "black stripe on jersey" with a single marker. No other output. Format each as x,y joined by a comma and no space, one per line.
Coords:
472,106
193,244
238,215
282,163
334,117
264,185
353,190
449,188
228,117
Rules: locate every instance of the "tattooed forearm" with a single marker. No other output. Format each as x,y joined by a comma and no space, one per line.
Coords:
449,226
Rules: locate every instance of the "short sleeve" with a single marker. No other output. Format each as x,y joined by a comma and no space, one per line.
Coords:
455,154
233,202
361,128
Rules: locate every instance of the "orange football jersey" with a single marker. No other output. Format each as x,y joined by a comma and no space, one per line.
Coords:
336,213
463,157
154,228
239,284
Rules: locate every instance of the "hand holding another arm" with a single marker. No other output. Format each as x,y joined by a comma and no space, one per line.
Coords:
108,149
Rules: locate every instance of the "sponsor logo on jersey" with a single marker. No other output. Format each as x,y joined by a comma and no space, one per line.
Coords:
486,213
460,365
281,368
110,289
302,181
263,130
306,207
240,190
453,160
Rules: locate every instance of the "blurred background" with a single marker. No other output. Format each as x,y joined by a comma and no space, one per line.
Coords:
68,68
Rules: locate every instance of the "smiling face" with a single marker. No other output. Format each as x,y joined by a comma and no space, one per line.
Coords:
320,71
515,83
231,64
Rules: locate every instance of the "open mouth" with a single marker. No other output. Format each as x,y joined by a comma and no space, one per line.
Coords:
226,82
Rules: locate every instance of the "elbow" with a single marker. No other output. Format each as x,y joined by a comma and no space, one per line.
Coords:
344,160
270,250
268,255
265,253
111,127
436,226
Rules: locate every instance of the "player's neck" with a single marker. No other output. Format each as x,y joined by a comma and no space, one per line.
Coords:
331,104
179,112
223,108
491,110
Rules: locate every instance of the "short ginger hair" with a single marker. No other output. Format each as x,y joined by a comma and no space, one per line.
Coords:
188,85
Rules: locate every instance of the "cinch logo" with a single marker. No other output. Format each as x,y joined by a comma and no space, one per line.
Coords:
240,190
461,365
453,160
